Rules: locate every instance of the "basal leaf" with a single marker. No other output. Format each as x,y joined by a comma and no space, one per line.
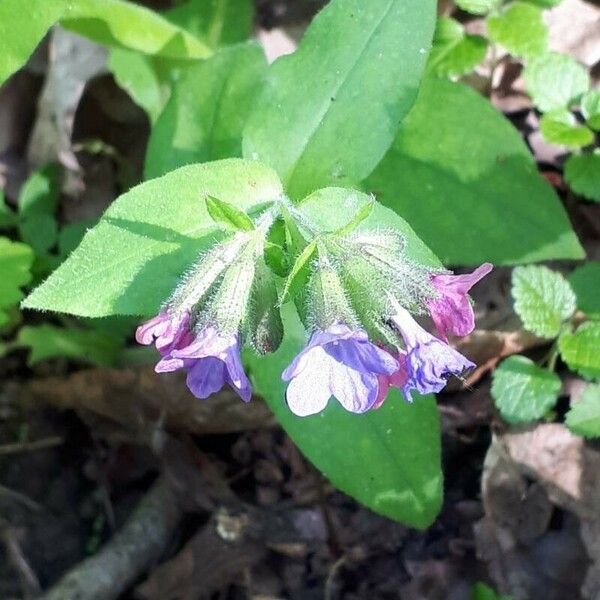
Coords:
474,193
523,391
585,281
520,29
584,416
130,262
352,80
543,299
388,459
555,81
582,173
207,111
580,349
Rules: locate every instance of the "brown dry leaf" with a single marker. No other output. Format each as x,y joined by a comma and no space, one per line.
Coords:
140,400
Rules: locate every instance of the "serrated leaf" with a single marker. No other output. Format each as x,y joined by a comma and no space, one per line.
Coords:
555,81
228,215
362,214
581,350
23,24
585,281
590,108
353,78
299,274
388,459
560,127
520,28
454,52
130,262
523,391
582,173
543,299
455,192
48,341
584,416
207,111
15,265
478,7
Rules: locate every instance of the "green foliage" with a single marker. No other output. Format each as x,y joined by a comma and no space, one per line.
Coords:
555,81
543,299
478,7
388,459
148,238
15,265
228,216
580,349
455,52
49,341
300,273
582,173
585,281
523,391
590,107
206,113
23,24
481,591
339,90
560,127
584,416
475,194
8,218
520,28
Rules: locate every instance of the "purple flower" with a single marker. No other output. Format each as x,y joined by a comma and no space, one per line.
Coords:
452,311
397,379
211,359
428,360
338,362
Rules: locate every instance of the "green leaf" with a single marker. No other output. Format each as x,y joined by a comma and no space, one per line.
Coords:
454,52
229,216
352,80
130,262
555,81
48,341
8,219
523,391
545,3
580,349
590,107
585,281
23,24
70,235
217,22
15,265
520,28
362,214
388,459
207,111
481,591
39,231
543,299
560,126
584,416
475,195
299,274
137,75
478,7
582,173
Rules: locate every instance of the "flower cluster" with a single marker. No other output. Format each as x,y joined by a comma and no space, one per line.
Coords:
360,295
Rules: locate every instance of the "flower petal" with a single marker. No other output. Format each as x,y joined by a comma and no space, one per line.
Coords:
206,377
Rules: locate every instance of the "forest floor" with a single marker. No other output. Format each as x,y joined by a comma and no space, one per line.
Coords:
214,500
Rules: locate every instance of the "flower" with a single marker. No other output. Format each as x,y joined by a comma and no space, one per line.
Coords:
428,360
338,362
397,379
210,358
452,311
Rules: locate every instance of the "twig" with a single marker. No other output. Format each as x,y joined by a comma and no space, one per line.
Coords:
29,581
26,501
330,581
128,554
50,442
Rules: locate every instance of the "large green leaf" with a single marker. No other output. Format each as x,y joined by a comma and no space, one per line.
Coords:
388,459
470,188
585,281
23,24
329,112
130,262
206,113
15,265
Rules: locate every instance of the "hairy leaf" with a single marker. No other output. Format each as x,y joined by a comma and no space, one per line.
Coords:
580,349
584,416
